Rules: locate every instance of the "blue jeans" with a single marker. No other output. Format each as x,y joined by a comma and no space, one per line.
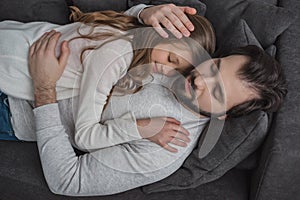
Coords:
6,130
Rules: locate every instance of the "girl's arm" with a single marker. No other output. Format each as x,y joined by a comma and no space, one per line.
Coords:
167,16
103,68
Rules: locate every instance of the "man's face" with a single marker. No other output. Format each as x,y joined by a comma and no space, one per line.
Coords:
214,86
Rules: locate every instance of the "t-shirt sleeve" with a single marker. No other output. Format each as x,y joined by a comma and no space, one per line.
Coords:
103,67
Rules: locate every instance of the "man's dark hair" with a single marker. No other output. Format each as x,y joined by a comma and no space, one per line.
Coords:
265,76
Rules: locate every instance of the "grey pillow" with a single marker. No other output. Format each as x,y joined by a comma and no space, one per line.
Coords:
240,35
239,138
271,50
265,20
55,11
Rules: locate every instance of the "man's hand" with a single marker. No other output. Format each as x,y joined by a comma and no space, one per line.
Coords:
162,131
171,17
45,68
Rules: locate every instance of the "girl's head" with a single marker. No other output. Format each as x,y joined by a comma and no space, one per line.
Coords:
149,48
182,54
171,55
168,55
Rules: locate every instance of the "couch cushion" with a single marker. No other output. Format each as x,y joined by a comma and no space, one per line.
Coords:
21,177
240,138
240,35
98,5
55,11
278,175
265,20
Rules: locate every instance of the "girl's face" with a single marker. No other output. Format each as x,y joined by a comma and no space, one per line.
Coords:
166,58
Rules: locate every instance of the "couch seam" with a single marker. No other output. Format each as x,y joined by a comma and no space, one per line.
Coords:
263,175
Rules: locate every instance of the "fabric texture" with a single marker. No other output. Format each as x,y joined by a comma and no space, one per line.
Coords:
240,35
272,20
55,11
278,176
96,5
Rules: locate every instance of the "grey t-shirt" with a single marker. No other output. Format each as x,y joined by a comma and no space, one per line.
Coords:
113,169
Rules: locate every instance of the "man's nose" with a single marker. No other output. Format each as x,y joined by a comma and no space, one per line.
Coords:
199,85
202,83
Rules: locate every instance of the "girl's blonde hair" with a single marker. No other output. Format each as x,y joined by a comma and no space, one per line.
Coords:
143,40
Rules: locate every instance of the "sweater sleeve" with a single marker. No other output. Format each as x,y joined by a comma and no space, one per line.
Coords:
136,10
101,172
102,69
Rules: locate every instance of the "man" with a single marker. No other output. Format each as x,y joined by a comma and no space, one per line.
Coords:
232,85
126,166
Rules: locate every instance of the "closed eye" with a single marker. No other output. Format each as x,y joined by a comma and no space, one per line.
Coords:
218,93
172,58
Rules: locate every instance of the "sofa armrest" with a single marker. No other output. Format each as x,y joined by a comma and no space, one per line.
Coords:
278,174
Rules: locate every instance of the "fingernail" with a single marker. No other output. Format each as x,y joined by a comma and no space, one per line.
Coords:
165,35
179,36
186,33
191,27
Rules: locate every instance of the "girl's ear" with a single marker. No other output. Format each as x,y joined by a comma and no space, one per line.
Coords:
222,117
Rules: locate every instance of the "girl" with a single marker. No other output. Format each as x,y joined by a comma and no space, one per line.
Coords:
109,50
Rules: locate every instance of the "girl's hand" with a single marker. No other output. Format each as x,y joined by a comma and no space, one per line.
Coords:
172,17
162,131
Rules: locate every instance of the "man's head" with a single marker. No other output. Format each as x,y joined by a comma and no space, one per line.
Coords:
245,80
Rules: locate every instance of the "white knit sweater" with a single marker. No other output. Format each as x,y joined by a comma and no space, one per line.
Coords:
91,80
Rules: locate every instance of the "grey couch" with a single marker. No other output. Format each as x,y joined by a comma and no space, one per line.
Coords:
271,171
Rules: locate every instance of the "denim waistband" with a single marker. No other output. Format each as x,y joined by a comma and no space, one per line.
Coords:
6,129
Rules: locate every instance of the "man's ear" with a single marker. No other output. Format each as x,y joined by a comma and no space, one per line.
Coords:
222,117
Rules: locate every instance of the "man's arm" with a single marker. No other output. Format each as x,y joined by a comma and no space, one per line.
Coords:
44,77
169,16
102,172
